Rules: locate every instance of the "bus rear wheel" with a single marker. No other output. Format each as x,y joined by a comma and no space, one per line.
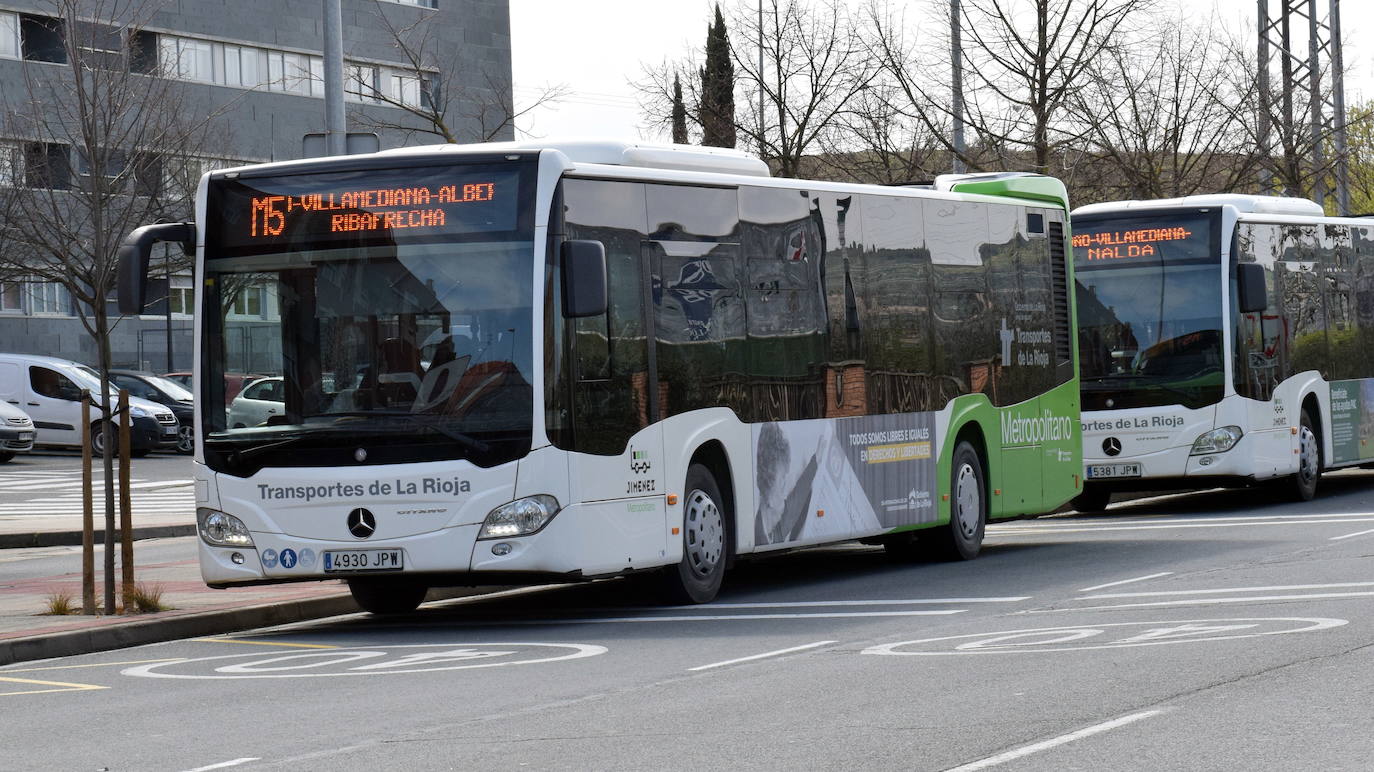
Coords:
387,597
962,537
698,576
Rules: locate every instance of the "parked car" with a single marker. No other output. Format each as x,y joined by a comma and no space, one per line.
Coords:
49,390
259,401
163,391
233,382
16,431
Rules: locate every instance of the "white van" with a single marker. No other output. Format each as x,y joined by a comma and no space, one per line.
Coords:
49,390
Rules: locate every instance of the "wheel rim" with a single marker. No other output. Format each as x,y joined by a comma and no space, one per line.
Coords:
704,533
185,439
1307,455
967,495
98,442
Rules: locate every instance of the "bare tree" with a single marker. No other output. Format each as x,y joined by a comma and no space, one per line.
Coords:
1167,119
435,94
97,134
1023,62
813,65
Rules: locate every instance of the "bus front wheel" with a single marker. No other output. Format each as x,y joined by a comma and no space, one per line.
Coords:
962,537
697,577
386,597
1304,483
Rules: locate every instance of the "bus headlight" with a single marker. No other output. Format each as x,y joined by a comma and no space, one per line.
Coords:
519,518
1216,441
219,529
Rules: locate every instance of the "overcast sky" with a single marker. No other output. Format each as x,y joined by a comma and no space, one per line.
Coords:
597,48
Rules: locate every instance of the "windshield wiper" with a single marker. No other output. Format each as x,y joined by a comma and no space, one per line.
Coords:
466,441
1148,380
243,454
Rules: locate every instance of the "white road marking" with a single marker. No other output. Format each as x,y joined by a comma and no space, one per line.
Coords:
1055,523
226,764
761,656
1035,530
720,617
1222,590
1213,601
1054,742
825,603
1352,535
1126,581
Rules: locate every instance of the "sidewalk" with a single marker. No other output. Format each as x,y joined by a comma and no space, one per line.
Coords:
37,564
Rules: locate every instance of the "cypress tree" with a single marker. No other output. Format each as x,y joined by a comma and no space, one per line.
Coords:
679,114
716,112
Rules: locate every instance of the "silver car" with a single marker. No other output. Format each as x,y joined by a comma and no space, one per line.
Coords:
259,401
16,431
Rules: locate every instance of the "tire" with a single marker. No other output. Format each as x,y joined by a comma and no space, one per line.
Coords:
1092,499
705,542
186,440
6,456
962,537
387,597
1303,485
97,441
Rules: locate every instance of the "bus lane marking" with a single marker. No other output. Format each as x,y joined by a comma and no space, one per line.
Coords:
764,655
97,664
1352,535
1054,742
1126,581
1037,530
841,603
1212,601
62,687
1224,590
1113,635
264,643
226,764
367,660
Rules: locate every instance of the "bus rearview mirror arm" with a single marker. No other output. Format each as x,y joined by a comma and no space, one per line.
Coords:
1251,294
134,255
584,278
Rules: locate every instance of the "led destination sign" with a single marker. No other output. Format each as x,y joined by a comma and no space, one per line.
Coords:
1146,239
258,215
368,210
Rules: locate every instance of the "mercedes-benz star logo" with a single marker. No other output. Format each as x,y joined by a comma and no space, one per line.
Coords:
1111,446
361,523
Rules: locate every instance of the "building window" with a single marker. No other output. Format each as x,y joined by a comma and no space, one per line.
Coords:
419,3
410,91
185,58
47,166
40,39
11,295
11,164
49,298
182,299
111,164
360,83
9,34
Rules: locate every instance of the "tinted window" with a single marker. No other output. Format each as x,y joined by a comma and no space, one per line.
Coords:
611,389
52,384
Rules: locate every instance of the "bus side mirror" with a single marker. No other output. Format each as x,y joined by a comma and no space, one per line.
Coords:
584,278
1250,290
133,255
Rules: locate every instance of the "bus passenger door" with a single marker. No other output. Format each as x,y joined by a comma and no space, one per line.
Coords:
616,475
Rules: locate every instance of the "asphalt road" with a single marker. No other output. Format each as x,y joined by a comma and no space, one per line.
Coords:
1211,631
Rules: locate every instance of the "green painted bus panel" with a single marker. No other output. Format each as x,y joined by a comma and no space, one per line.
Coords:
1028,188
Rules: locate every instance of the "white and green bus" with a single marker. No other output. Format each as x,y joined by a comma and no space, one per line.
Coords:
531,362
1225,340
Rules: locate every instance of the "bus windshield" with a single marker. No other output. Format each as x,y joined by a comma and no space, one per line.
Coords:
390,312
1149,310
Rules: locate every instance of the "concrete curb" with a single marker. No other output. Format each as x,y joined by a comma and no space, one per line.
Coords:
72,538
138,632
